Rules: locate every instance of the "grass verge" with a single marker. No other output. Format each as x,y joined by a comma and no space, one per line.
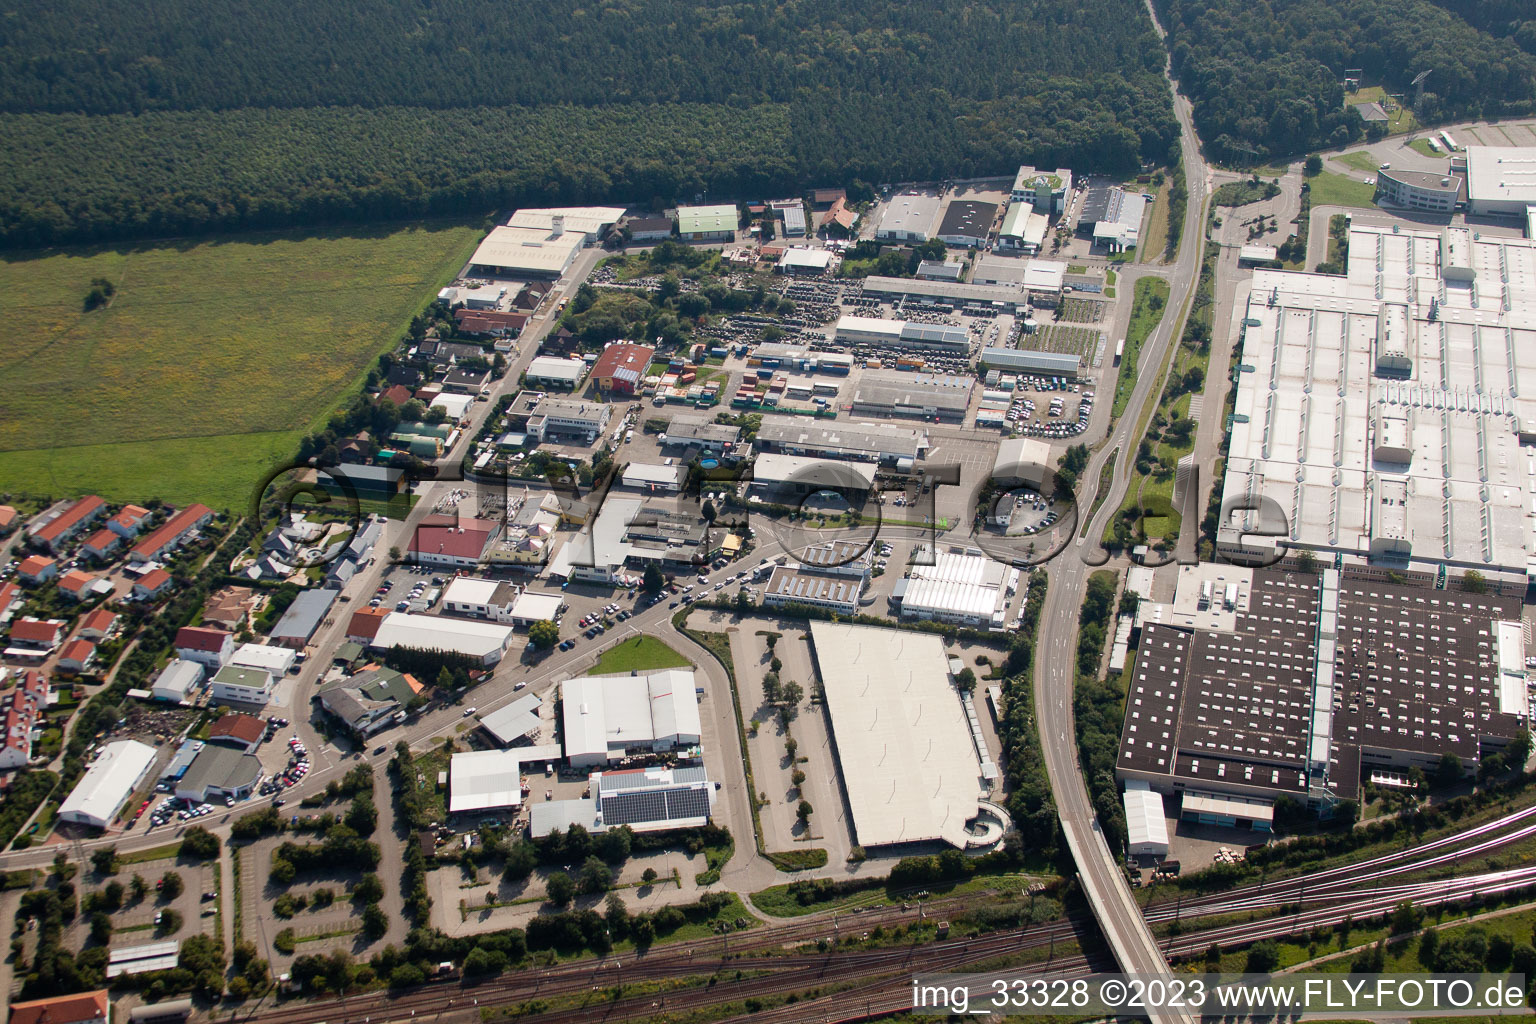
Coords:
1329,189
1146,312
639,654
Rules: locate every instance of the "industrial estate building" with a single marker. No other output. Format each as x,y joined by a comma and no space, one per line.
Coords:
858,442
482,641
909,765
608,717
643,799
707,223
1043,191
1419,190
1501,180
526,252
1380,416
967,223
555,372
1253,683
107,784
1115,214
908,396
868,330
909,217
961,586
590,222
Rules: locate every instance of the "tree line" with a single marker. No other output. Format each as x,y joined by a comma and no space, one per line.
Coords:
387,111
1265,78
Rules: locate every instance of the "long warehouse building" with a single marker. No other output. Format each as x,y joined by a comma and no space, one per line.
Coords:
108,783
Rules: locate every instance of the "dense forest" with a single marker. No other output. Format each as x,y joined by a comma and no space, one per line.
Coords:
141,119
1511,19
1265,77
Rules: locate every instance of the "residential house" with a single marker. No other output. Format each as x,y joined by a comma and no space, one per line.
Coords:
129,520
11,598
369,701
365,625
34,638
241,684
97,625
101,544
399,394
172,534
229,608
465,382
151,585
38,569
78,655
21,712
57,531
838,220
210,648
238,730
9,517
355,450
81,586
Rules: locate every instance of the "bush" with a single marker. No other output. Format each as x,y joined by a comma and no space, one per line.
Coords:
559,888
171,885
197,843
284,941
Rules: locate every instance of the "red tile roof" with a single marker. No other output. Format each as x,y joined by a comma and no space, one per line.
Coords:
76,581
98,621
454,538
245,728
8,592
78,650
103,541
365,623
86,1006
200,638
35,564
70,518
172,530
7,516
399,394
624,362
36,631
130,516
154,580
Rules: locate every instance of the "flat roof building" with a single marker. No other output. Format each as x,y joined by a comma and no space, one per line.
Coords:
1501,180
590,222
963,587
108,783
654,799
1253,683
1419,190
1024,229
800,475
607,716
1118,226
708,436
1023,360
957,292
908,396
790,586
707,223
491,780
1046,191
903,334
800,260
1382,416
904,748
860,442
967,222
303,617
482,641
526,252
515,722
655,477
555,372
909,217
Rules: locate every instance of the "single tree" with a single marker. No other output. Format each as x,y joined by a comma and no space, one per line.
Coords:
559,888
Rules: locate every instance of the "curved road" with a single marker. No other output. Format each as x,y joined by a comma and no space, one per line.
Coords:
1101,877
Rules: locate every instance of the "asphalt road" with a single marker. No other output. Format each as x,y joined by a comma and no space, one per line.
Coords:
1101,877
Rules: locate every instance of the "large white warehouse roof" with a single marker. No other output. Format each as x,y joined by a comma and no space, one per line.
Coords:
909,765
482,640
109,781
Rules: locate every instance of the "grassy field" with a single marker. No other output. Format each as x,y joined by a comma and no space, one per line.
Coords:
1330,189
1360,161
1156,237
1421,146
1147,310
640,654
211,360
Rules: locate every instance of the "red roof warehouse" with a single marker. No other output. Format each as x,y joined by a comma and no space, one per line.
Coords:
622,367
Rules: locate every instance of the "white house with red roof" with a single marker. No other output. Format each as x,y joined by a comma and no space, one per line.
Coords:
81,586
34,638
151,584
38,568
11,598
97,625
451,542
78,655
20,711
173,533
101,544
128,522
211,648
55,532
621,367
